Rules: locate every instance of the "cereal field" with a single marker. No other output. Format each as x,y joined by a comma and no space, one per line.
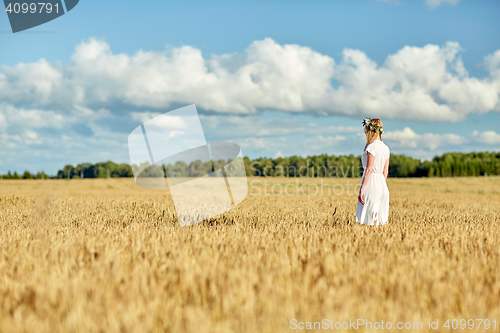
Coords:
102,255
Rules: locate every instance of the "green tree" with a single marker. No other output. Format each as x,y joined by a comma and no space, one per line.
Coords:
27,175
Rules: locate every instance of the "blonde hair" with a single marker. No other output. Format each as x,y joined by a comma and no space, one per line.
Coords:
372,135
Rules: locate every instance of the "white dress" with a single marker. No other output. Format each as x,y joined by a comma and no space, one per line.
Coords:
375,211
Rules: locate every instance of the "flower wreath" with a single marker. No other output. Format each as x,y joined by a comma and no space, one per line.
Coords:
372,127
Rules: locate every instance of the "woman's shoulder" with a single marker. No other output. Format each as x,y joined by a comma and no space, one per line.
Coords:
377,145
385,146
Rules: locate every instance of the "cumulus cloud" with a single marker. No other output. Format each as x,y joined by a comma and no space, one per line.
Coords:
488,137
423,83
427,83
18,125
29,118
3,122
492,62
408,139
27,137
230,126
142,117
260,143
319,142
22,126
167,122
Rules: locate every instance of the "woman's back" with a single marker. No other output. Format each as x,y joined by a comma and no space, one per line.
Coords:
381,153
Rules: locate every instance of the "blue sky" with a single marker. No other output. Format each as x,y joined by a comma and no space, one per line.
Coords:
276,77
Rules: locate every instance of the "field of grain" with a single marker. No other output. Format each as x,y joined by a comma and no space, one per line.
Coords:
106,256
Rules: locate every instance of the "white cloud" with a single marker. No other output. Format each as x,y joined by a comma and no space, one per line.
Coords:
230,126
257,143
31,137
143,116
20,126
29,118
436,3
427,83
278,154
320,142
84,112
492,62
488,137
175,133
408,139
164,122
3,121
423,83
27,137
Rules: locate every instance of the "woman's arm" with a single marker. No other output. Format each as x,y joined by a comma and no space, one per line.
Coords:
370,159
386,169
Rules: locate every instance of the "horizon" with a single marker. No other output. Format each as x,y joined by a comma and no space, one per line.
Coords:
253,160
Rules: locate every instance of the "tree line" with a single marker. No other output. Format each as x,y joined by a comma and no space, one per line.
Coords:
446,165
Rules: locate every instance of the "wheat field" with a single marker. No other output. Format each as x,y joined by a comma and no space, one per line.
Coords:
102,255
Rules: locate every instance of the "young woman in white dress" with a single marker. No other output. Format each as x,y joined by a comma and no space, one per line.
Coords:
373,198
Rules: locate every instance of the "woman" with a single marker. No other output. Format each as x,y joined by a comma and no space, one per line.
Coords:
373,199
